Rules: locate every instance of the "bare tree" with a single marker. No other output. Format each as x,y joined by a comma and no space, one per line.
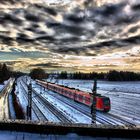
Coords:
38,73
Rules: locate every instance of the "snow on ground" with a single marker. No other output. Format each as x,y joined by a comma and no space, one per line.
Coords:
123,105
71,113
21,94
124,96
4,102
1,104
12,111
22,98
1,87
51,117
87,85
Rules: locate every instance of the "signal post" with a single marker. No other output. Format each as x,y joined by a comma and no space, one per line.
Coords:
93,106
29,106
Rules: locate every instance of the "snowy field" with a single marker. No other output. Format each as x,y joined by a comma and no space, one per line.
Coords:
4,99
125,96
125,106
1,87
87,85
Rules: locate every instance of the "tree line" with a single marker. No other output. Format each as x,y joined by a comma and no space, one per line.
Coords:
5,72
112,75
38,73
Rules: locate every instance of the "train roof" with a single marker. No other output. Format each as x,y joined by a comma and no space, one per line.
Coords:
82,93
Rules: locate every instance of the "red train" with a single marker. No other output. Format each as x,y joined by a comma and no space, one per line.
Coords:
102,102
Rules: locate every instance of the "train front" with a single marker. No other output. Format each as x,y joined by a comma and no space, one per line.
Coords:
103,103
106,104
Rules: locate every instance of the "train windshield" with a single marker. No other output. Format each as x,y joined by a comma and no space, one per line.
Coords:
106,101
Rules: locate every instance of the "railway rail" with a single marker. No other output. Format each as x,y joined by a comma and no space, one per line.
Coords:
41,107
39,114
124,104
107,118
50,107
53,109
102,118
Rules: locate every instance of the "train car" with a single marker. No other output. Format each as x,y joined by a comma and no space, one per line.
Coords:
102,102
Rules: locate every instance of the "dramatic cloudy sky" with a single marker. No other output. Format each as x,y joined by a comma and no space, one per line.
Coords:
72,35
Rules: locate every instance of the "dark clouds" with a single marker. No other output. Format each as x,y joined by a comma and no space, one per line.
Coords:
136,7
63,31
75,18
10,1
48,10
119,43
108,10
49,65
21,38
134,29
113,14
9,18
32,17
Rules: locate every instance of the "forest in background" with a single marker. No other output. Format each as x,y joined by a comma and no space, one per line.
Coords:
7,72
38,73
112,75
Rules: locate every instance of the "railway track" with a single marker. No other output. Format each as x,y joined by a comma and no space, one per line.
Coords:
39,114
101,117
50,116
53,109
99,120
75,106
107,118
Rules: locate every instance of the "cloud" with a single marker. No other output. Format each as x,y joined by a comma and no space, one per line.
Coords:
49,10
38,31
32,17
97,47
134,29
9,18
45,65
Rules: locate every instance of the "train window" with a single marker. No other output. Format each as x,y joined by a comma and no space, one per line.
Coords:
87,99
106,101
80,97
70,92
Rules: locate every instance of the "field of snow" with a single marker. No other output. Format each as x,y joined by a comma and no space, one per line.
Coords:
87,85
124,96
4,99
1,87
124,105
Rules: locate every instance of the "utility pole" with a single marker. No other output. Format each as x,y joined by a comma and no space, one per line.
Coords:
29,106
93,106
40,89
